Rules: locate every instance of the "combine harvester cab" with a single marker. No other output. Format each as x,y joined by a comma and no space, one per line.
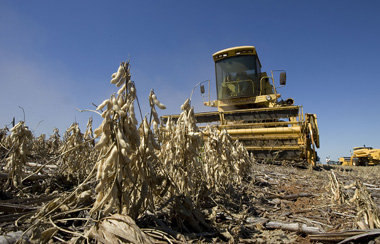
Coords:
248,107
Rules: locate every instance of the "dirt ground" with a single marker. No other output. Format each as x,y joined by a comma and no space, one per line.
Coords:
250,213
315,205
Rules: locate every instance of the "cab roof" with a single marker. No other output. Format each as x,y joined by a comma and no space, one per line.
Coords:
358,148
235,51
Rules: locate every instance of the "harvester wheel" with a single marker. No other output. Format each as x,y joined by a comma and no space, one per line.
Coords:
365,162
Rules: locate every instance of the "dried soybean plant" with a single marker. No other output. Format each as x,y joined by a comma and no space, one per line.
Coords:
40,148
54,142
130,177
3,148
77,156
3,134
338,194
126,173
193,162
51,220
19,143
89,134
225,161
119,229
196,167
138,167
368,213
181,144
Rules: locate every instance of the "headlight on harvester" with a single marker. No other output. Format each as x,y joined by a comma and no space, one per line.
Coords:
268,98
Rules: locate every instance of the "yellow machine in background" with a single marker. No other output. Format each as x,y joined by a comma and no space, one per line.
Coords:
363,156
344,160
248,107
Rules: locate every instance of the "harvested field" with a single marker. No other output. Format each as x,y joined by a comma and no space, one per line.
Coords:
152,183
249,213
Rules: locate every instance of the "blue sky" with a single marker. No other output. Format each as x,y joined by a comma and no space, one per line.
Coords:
56,56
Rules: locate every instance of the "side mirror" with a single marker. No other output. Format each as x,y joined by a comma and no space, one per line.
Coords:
202,89
283,78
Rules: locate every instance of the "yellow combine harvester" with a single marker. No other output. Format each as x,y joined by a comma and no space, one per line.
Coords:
344,160
363,156
248,107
